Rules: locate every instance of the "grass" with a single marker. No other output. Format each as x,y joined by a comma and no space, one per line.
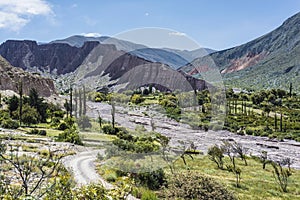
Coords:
97,136
50,132
256,183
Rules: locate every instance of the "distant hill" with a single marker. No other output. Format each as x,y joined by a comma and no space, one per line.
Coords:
269,61
10,77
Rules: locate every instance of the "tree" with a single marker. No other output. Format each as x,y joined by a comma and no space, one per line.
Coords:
291,90
80,103
281,175
13,104
71,101
76,102
37,102
84,101
34,171
99,120
264,158
29,115
241,151
215,154
20,88
67,107
84,122
113,113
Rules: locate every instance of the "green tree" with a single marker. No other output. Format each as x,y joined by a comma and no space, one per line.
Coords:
36,102
13,104
29,115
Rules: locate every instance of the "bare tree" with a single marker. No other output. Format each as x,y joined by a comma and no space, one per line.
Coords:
240,151
33,171
281,175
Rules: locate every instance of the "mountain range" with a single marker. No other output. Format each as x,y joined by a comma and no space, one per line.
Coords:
270,61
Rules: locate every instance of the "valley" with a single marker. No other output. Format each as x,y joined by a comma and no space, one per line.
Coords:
107,118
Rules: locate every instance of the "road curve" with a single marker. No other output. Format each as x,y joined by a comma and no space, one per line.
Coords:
83,168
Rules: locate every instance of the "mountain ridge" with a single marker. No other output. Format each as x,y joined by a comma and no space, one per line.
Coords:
260,58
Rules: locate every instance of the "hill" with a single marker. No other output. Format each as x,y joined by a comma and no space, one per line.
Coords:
269,61
10,77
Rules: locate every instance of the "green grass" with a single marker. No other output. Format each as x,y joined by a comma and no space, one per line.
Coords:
50,132
256,183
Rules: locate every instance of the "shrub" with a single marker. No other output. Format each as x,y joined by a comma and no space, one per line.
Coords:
10,124
149,195
43,132
136,99
62,126
108,129
34,132
111,177
55,121
70,135
152,179
192,185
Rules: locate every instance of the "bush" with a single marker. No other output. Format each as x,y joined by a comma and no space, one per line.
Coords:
108,129
192,185
38,132
136,99
149,195
70,135
34,132
111,177
43,132
153,179
10,124
55,121
62,126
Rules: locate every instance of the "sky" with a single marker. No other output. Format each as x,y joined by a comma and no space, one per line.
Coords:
216,24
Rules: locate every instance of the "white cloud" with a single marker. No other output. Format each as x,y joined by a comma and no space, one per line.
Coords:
146,14
177,34
91,34
15,14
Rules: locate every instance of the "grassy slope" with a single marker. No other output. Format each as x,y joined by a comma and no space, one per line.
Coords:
256,182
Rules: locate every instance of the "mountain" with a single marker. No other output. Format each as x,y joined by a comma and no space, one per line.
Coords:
106,65
172,57
191,55
269,61
10,77
54,58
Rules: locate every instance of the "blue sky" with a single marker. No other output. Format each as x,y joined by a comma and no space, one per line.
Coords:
217,24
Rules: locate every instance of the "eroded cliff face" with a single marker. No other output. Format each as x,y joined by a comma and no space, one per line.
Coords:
123,68
47,57
10,77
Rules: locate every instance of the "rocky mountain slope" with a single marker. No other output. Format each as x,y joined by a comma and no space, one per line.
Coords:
54,58
10,77
269,61
106,65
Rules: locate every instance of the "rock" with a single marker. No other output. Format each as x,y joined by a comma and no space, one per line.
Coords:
10,77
